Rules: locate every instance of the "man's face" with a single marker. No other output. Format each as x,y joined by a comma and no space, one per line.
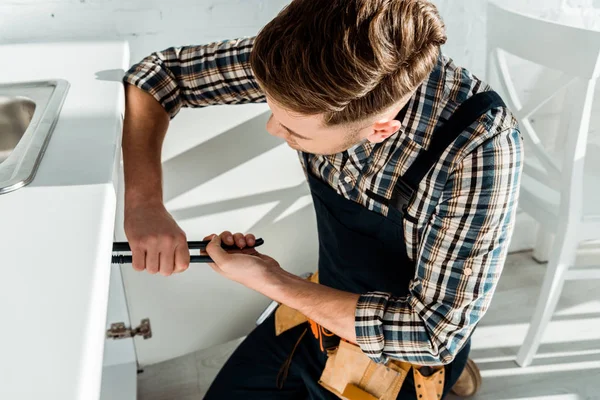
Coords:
309,134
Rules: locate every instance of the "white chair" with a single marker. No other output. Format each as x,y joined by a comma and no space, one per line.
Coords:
560,191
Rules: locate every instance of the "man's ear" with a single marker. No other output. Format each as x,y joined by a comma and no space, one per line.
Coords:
382,130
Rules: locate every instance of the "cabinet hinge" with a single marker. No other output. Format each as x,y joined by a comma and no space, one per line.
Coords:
119,331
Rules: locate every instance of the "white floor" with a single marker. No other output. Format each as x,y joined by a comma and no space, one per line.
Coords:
567,367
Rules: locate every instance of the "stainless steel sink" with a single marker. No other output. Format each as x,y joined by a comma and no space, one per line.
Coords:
28,113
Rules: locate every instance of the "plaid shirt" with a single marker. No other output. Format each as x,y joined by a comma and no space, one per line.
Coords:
462,216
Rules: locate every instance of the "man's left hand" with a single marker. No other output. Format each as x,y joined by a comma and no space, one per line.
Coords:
246,265
331,308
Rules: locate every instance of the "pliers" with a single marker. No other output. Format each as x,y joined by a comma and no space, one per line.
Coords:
126,259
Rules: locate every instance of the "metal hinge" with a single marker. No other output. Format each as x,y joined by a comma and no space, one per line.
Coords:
119,331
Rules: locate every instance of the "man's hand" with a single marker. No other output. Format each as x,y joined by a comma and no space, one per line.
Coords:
157,243
334,309
246,265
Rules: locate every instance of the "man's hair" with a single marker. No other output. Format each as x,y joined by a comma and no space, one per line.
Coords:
347,59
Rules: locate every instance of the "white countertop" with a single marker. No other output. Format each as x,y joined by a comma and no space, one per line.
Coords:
56,234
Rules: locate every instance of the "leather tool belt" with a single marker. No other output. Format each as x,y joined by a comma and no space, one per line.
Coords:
352,375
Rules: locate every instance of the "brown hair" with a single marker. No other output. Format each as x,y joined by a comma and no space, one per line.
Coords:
347,59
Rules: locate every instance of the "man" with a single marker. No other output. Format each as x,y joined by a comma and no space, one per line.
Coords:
414,166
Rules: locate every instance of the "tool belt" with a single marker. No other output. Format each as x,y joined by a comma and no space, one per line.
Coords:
350,374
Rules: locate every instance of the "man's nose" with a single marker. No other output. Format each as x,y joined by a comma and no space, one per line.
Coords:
275,129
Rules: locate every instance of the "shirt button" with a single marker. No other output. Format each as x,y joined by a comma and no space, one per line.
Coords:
347,179
468,271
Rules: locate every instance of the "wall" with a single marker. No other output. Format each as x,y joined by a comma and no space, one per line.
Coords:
221,170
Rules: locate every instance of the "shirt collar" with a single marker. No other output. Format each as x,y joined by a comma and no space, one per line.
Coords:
418,118
421,114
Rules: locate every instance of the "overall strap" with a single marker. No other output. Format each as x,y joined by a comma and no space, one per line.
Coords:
467,113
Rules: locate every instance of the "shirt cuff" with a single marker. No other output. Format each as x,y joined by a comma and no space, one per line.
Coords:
369,314
152,78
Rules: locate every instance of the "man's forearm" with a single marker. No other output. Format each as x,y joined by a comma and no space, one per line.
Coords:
144,130
331,308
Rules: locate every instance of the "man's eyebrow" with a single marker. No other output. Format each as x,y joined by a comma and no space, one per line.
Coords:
294,133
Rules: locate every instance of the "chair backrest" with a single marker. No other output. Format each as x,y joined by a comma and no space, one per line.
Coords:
574,52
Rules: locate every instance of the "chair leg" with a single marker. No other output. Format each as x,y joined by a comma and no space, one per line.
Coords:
563,256
543,243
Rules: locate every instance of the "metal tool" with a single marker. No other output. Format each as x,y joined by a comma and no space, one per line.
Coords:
125,259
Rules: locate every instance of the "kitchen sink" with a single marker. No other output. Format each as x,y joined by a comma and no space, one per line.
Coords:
28,113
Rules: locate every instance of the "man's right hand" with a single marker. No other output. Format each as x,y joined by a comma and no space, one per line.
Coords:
157,243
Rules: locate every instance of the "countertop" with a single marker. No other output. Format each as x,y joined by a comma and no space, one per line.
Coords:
56,234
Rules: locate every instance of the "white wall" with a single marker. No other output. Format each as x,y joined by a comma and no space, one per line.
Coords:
221,170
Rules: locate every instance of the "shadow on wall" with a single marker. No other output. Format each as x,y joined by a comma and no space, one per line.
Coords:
276,206
216,156
240,145
285,197
221,154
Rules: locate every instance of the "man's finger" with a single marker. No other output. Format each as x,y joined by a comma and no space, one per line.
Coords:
207,238
167,262
182,258
152,261
227,237
239,239
139,259
216,252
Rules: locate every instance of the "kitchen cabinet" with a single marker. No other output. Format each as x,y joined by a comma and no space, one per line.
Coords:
119,368
58,290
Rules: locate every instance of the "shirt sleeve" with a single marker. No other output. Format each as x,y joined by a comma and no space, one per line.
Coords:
459,263
198,76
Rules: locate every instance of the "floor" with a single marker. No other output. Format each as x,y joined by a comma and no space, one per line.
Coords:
566,368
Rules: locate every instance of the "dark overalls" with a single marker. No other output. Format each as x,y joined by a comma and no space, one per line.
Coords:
360,251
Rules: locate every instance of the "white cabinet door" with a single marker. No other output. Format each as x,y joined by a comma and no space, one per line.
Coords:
119,372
